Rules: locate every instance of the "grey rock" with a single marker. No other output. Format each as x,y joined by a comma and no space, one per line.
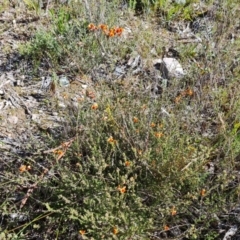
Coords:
169,67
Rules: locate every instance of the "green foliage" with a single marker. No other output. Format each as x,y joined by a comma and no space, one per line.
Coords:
66,35
43,45
169,9
61,20
34,5
125,172
4,5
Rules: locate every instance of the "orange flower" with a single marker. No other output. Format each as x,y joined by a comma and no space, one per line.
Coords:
58,152
135,120
122,189
203,192
152,125
178,99
82,232
111,32
189,92
23,168
104,27
111,140
166,227
127,163
115,231
158,134
92,27
118,31
173,211
94,106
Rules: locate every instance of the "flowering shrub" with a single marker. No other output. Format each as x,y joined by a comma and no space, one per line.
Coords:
110,32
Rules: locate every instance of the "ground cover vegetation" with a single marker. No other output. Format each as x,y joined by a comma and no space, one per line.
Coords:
128,162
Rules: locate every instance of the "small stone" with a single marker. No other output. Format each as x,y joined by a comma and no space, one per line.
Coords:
36,117
119,71
20,83
61,105
46,81
13,216
63,81
84,86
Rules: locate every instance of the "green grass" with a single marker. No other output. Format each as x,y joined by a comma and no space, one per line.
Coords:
129,171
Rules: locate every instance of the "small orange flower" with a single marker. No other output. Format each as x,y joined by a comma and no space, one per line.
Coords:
152,125
23,168
58,152
135,120
173,211
111,32
158,134
166,227
82,232
118,31
127,163
111,140
115,231
92,27
94,106
203,192
122,189
104,27
178,99
189,92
